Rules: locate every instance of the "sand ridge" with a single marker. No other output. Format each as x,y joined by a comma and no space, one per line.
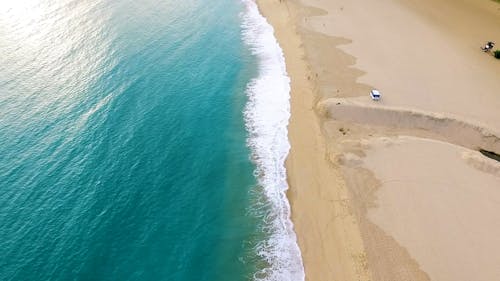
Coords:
452,129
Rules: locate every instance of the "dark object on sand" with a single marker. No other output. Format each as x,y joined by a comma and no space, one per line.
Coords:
488,47
490,154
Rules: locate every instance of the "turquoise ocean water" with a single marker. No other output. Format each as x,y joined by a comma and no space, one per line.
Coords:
142,140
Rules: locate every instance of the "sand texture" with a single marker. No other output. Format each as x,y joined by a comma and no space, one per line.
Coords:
393,190
328,231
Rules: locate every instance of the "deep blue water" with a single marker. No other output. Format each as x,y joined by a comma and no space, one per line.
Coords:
123,150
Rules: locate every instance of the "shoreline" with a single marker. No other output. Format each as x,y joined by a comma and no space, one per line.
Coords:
341,196
339,255
266,118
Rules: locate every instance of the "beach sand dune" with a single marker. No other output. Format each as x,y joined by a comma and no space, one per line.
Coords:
437,201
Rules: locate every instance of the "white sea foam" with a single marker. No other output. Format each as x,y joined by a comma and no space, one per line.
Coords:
266,114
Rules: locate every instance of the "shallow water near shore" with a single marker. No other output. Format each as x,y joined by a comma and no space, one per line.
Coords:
126,142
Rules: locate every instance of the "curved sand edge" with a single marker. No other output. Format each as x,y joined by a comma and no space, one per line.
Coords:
449,128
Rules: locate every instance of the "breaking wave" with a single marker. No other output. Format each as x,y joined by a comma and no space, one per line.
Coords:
266,115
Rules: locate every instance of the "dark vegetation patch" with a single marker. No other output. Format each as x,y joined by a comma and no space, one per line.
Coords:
497,53
490,154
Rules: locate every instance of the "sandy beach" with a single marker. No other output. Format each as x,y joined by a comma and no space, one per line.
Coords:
396,189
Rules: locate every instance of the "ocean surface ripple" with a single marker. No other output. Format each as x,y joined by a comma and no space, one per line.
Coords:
129,137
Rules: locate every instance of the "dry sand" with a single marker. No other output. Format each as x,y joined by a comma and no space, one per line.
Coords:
368,202
442,206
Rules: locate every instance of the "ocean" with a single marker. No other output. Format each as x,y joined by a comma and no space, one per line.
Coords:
143,140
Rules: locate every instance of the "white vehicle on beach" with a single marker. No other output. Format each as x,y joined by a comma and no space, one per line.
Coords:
375,94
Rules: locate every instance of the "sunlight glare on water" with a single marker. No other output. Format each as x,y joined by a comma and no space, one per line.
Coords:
60,43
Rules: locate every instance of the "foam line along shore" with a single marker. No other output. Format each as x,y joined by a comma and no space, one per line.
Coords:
267,113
